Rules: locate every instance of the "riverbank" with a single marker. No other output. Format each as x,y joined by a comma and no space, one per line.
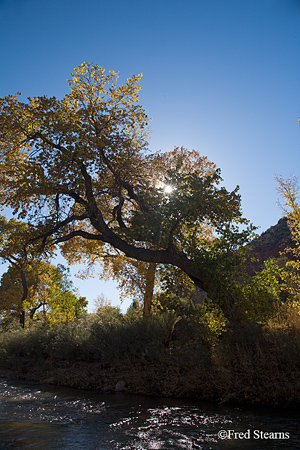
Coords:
251,366
155,379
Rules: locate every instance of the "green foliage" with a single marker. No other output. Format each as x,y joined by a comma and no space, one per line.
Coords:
289,190
65,304
213,317
51,295
259,295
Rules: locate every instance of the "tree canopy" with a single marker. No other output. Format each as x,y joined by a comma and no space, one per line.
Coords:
79,168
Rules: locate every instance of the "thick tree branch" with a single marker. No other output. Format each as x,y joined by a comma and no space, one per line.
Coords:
76,197
167,256
13,261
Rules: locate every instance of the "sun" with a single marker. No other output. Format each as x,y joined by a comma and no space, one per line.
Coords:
168,189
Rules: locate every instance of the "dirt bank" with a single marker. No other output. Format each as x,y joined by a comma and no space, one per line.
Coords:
144,378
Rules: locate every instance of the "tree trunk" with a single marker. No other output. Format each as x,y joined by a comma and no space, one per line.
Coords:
24,297
22,319
148,294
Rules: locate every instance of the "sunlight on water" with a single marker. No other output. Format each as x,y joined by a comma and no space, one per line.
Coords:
176,427
48,418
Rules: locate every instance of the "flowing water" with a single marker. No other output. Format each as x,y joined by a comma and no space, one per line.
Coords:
48,418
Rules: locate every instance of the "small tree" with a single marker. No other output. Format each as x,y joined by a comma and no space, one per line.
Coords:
106,311
289,190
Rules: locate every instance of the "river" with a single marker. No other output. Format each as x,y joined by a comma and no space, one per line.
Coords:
40,417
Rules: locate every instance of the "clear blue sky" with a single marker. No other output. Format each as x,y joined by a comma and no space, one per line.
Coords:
221,77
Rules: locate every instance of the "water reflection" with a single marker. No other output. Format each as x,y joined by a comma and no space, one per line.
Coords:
48,418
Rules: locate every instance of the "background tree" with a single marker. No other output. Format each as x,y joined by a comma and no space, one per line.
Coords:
23,257
51,296
106,312
63,303
78,167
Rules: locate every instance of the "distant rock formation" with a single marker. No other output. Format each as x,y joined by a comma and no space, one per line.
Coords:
269,244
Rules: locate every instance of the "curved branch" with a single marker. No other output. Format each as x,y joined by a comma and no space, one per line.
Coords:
56,228
78,233
38,135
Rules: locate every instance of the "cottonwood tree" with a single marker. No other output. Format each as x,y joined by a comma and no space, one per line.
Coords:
79,167
135,278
